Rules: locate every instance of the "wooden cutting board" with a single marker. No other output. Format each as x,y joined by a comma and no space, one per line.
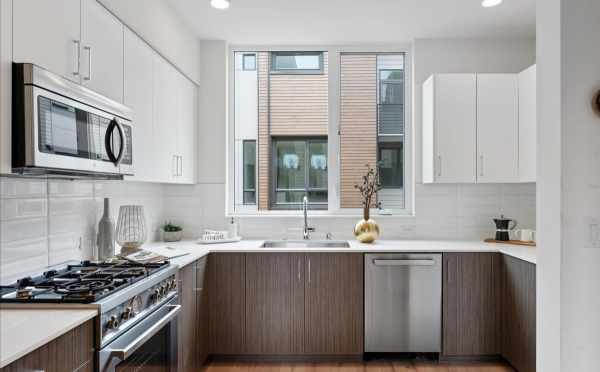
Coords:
515,242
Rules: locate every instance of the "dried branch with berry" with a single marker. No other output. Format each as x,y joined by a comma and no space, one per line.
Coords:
368,190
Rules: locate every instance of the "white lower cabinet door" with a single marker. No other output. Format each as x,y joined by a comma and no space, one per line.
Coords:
497,128
102,51
138,95
48,34
166,120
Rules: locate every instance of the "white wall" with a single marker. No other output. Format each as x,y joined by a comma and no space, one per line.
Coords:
157,23
47,223
568,178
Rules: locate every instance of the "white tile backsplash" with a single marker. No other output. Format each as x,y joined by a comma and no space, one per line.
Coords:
50,222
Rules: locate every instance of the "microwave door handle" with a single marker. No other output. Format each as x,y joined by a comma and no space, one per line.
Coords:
128,350
115,159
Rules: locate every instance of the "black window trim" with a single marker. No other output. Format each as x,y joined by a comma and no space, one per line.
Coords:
276,71
273,205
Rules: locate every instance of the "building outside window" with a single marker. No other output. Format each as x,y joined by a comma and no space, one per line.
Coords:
282,131
249,172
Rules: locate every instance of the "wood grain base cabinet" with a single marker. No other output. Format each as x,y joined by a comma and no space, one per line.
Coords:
227,298
334,304
193,326
472,299
73,351
519,318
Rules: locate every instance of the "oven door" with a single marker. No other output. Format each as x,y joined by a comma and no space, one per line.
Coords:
150,345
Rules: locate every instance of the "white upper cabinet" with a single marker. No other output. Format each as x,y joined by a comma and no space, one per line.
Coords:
497,128
527,125
138,94
102,51
186,133
449,128
166,120
48,34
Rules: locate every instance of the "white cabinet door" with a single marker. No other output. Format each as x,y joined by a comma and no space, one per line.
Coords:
166,120
102,51
497,128
137,94
449,128
527,125
186,143
48,33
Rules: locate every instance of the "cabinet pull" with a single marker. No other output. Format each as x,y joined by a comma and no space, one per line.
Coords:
180,165
309,271
89,52
76,56
299,269
174,162
481,165
439,165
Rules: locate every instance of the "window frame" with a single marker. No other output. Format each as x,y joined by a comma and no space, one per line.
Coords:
273,204
333,143
244,190
297,71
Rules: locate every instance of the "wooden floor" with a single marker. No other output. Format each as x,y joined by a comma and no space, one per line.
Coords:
376,366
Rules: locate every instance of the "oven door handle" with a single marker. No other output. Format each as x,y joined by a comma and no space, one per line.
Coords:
128,350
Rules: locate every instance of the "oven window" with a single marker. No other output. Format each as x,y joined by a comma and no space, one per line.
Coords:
63,129
153,356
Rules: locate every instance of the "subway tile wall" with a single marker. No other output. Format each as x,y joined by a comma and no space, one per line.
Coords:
453,211
45,223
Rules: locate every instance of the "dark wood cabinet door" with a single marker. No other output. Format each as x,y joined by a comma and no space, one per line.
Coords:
471,304
274,303
519,316
203,348
226,276
73,351
334,304
187,318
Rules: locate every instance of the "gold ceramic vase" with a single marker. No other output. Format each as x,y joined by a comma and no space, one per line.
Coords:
366,230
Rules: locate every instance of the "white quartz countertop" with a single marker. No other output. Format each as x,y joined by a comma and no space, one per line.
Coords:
24,330
197,251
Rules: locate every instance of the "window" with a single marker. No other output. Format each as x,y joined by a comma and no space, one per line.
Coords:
300,167
249,172
249,62
297,62
390,164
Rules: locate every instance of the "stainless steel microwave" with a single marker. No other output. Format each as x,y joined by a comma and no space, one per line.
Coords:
59,127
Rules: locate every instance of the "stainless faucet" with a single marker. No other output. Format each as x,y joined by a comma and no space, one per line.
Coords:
307,230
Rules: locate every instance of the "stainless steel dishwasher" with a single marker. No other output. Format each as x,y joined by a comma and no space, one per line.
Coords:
403,303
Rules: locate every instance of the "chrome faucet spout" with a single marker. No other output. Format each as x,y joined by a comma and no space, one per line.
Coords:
307,230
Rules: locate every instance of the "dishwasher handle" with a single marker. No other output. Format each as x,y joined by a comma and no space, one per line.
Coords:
403,262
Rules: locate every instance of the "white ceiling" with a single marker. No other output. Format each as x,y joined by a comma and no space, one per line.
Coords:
355,21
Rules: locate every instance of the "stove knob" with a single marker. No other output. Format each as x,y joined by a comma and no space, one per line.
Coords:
155,296
113,322
164,289
173,284
127,313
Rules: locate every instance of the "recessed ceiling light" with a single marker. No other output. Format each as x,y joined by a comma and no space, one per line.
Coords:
490,3
220,4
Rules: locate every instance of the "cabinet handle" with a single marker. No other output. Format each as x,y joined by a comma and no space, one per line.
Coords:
309,271
481,165
299,269
89,52
180,165
174,162
76,56
439,165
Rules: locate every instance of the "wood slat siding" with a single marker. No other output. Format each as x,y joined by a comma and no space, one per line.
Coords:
358,123
299,103
264,142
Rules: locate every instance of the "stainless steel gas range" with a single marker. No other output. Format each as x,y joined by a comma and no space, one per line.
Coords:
136,326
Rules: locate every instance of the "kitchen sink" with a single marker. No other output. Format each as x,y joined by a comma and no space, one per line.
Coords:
305,244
